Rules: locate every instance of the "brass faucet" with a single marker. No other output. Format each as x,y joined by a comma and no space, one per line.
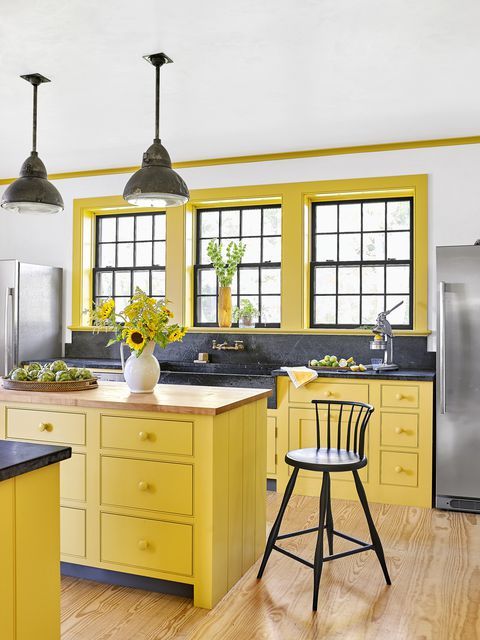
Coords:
224,346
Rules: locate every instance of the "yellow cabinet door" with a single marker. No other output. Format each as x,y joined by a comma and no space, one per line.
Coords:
7,559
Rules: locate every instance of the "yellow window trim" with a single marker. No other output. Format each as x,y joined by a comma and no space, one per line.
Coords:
295,199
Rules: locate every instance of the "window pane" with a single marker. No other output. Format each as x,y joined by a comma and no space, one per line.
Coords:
107,229
159,254
208,309
122,283
349,280
374,246
270,280
209,224
326,248
398,215
325,310
141,279
271,309
230,223
373,279
204,259
272,222
144,227
373,216
208,281
252,252
158,283
272,249
349,246
326,221
120,304
325,280
125,228
125,254
248,281
106,255
104,284
400,315
398,245
398,279
143,254
349,310
160,226
371,307
234,285
251,222
349,217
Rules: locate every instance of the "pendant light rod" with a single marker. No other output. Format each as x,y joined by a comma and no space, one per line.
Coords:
35,79
158,60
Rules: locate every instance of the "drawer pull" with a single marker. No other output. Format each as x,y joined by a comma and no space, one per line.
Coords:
398,469
400,396
142,485
142,545
328,394
400,430
45,426
143,435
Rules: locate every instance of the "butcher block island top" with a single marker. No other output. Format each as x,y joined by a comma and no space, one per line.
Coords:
171,398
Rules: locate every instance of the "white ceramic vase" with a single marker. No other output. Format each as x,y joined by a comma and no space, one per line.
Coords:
142,374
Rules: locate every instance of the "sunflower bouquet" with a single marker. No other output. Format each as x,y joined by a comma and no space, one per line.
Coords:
143,320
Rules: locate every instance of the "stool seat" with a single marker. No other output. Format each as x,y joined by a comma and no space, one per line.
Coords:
325,459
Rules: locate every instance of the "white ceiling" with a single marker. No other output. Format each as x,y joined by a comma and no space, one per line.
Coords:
250,76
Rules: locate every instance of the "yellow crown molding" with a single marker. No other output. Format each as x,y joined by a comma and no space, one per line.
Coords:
269,157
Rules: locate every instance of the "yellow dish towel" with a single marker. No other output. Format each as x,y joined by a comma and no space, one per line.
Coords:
300,376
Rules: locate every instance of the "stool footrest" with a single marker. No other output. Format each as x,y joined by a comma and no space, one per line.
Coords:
293,556
351,539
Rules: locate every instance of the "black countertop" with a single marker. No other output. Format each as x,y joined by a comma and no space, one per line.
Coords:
17,458
399,374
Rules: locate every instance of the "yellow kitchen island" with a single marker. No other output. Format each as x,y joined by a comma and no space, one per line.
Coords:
169,485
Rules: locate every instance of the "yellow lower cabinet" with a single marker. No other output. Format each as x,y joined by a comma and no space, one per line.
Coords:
399,468
73,478
149,544
7,559
73,532
271,445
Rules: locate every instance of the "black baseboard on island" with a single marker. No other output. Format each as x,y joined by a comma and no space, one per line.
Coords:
126,580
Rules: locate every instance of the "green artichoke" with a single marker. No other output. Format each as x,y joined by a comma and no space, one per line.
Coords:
33,374
73,371
34,366
46,376
63,376
19,375
58,365
84,374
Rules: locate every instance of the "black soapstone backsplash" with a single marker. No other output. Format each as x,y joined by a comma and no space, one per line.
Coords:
410,352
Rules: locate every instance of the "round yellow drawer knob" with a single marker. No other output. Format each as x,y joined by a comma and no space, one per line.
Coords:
399,396
399,430
45,426
328,394
398,469
142,485
142,545
143,435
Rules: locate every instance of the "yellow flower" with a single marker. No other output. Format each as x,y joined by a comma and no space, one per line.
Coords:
135,339
106,309
176,335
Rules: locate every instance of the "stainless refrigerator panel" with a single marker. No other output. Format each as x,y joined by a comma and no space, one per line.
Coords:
39,312
458,372
8,310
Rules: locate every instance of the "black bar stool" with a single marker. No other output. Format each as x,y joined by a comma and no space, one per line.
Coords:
347,455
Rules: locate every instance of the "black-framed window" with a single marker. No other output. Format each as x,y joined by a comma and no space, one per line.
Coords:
129,253
259,275
362,262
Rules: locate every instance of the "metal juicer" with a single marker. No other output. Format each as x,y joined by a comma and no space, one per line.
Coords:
383,339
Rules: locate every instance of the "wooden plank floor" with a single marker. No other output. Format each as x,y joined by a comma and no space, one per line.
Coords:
433,558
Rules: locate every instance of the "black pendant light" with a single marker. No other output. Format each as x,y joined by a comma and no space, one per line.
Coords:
156,184
32,192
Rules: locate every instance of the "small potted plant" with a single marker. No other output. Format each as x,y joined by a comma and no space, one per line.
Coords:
225,270
245,314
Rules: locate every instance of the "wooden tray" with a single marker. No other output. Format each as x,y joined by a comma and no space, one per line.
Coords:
33,385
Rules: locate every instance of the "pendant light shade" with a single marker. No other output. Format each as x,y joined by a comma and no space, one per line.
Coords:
32,192
156,184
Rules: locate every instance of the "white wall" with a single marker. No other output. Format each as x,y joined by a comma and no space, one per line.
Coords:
454,200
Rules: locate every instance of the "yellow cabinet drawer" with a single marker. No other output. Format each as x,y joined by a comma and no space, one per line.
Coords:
72,478
399,468
144,484
145,434
271,445
399,429
329,391
46,426
150,544
400,396
72,532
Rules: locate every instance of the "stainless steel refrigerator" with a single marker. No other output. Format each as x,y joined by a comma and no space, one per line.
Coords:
30,313
458,379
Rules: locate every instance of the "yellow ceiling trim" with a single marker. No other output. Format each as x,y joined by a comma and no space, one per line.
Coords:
269,157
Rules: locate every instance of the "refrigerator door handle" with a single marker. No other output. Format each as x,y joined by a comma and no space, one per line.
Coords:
8,343
441,346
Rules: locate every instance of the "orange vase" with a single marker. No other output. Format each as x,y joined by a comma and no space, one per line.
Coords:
224,307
